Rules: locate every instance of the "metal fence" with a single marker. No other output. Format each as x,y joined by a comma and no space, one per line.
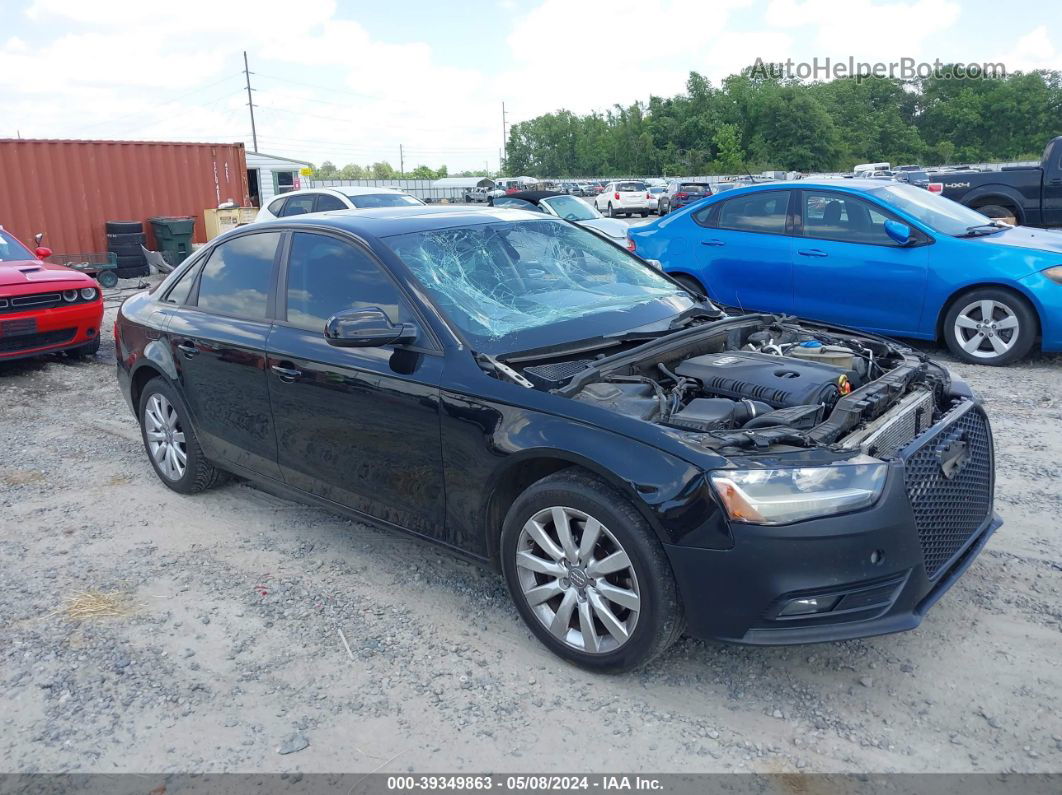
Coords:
421,188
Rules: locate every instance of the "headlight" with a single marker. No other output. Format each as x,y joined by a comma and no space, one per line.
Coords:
781,496
69,295
1054,274
88,293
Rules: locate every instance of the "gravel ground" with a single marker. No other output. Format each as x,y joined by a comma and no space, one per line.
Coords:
224,652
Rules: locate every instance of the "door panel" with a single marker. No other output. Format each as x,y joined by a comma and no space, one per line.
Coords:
744,255
862,279
218,342
221,365
358,426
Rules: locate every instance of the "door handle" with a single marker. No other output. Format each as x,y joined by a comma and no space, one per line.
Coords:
286,374
712,242
812,252
188,348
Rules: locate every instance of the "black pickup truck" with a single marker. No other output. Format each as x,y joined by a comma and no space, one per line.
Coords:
1027,196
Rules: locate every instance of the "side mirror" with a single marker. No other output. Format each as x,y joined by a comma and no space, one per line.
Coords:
656,264
37,238
900,233
367,328
42,252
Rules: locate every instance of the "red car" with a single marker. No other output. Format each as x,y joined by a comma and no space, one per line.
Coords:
43,307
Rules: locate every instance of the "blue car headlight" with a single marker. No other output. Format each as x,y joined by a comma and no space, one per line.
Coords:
782,496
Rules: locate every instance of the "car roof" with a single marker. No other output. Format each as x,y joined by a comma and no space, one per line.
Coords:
825,184
388,221
345,190
534,196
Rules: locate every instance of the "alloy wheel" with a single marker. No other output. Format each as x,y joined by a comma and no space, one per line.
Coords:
578,580
986,329
165,437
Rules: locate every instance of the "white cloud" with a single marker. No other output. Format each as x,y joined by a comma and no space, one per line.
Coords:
1034,50
865,29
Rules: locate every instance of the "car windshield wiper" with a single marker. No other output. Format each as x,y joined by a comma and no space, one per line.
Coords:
977,230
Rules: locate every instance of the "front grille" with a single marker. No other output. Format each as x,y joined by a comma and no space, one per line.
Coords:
23,303
949,510
26,342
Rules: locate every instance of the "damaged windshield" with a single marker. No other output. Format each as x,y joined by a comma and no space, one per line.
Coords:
517,285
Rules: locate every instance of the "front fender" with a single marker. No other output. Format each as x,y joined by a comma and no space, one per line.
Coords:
487,447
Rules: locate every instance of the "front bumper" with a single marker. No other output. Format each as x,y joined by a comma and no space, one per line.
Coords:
25,334
882,567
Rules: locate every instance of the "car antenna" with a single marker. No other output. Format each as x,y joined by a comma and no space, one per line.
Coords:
752,179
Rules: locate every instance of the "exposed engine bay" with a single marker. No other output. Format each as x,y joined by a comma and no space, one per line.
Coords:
761,381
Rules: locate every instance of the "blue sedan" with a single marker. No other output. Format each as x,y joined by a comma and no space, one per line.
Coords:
881,256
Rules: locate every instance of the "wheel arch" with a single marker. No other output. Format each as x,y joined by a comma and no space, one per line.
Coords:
996,194
523,469
1014,290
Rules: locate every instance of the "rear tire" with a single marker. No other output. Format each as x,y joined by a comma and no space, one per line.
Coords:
615,606
999,213
611,212
990,326
162,411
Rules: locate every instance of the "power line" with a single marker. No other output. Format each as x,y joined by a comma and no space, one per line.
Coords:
164,101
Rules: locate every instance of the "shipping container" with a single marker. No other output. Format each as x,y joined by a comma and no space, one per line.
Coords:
69,189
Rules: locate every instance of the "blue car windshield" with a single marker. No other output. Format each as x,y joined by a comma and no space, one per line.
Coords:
942,215
535,283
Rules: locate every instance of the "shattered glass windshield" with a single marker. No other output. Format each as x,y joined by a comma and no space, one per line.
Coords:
516,285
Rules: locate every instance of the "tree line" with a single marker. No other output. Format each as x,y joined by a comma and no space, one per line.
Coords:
384,170
755,122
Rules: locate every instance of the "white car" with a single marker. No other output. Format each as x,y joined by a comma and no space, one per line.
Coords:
323,200
655,192
623,197
570,208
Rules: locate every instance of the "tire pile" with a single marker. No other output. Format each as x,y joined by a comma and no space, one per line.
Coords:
125,240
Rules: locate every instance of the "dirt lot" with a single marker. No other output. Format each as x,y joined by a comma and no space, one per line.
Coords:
224,655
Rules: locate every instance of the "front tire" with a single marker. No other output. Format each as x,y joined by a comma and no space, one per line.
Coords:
990,326
170,440
85,351
587,574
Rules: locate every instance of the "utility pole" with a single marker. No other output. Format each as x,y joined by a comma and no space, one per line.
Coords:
505,136
401,161
250,101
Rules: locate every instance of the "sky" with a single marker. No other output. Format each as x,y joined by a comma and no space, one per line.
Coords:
354,81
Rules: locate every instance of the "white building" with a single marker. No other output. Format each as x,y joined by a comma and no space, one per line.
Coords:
268,175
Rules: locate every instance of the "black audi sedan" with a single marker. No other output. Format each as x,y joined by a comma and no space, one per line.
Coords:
635,462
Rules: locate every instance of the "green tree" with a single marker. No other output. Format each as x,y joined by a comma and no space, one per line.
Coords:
352,171
326,171
382,170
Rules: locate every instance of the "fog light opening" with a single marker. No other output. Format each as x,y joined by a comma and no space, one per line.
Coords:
90,332
877,557
809,605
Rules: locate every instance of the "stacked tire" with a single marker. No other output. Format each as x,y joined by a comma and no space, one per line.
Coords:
125,239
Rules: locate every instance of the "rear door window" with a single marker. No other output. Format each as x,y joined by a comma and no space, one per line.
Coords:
762,211
298,205
236,279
